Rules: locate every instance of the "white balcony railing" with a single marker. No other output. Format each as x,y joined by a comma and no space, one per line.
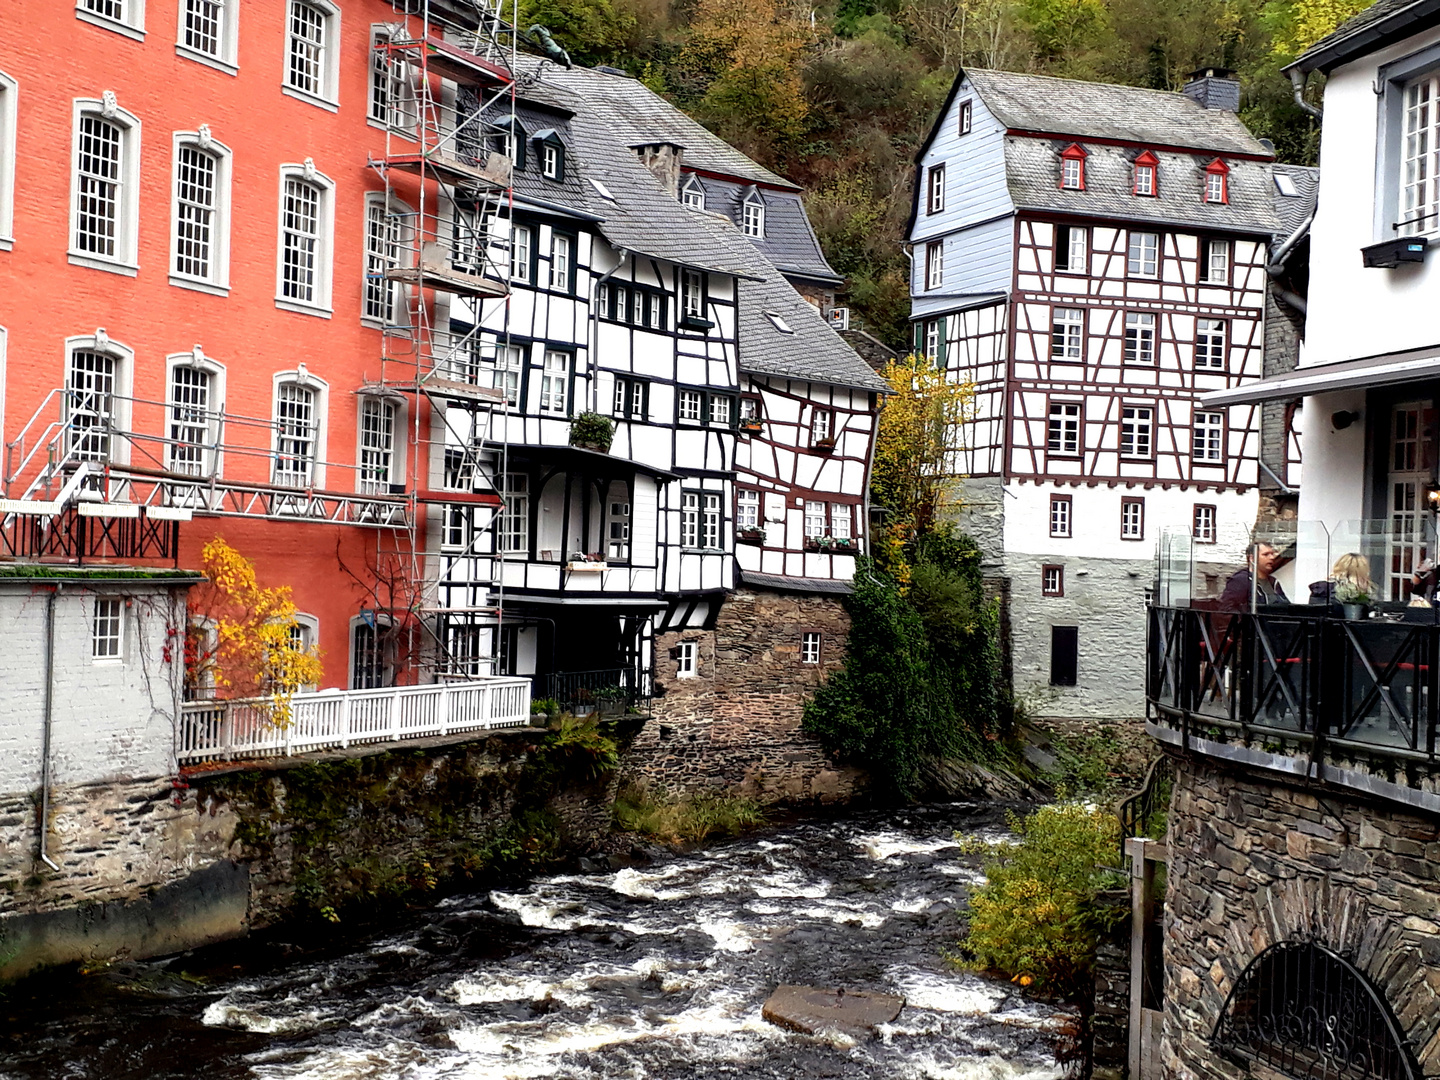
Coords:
329,719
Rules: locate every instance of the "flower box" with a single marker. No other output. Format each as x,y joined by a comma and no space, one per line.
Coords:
750,536
751,426
591,431
823,446
587,564
832,545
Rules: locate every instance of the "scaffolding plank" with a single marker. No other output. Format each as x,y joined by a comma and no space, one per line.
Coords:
450,61
452,169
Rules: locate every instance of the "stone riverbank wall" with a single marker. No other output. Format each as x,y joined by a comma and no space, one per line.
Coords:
1253,862
735,723
153,866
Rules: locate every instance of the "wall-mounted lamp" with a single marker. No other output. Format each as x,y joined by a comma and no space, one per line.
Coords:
1432,496
1343,419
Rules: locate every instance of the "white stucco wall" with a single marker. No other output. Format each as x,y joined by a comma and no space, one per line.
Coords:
111,720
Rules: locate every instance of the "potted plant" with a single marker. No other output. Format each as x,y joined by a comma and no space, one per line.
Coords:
592,431
751,536
834,544
823,446
591,563
751,425
1353,599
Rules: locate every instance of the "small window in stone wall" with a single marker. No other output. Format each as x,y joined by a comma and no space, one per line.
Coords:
810,647
107,635
1052,581
685,660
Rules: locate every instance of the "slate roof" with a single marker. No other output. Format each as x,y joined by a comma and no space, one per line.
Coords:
1291,210
1032,167
1047,104
796,584
1381,24
571,191
789,241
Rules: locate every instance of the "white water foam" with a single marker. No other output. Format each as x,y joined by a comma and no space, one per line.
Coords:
888,845
227,1013
968,995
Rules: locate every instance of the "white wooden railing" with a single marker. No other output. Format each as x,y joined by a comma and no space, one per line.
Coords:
329,719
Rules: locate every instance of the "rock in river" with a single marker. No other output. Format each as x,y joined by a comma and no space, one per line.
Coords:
808,1009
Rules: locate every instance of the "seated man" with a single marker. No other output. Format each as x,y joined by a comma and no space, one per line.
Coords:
1261,559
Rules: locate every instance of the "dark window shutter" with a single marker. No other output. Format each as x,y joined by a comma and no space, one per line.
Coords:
940,351
1062,247
1064,654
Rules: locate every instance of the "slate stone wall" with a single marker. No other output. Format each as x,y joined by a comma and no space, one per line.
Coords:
1253,862
736,723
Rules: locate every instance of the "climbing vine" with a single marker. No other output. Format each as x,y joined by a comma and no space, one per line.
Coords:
242,641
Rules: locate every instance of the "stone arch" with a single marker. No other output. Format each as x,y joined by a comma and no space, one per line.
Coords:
1305,1011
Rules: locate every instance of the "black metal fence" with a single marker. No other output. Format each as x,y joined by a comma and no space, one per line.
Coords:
608,691
1366,686
72,536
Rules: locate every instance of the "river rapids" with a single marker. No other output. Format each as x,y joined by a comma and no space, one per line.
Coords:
646,973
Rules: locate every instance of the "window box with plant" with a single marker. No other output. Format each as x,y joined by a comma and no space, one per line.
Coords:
1354,599
754,536
836,545
824,446
751,425
592,431
593,563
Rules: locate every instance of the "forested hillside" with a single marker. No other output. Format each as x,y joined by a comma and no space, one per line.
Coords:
839,96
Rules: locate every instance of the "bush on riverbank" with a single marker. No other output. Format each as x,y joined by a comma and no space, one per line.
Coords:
1036,919
922,662
689,819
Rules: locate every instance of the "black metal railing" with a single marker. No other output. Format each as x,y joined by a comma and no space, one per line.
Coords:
1340,687
72,536
607,691
1139,812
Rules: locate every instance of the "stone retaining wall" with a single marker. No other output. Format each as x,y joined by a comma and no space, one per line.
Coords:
736,723
1254,862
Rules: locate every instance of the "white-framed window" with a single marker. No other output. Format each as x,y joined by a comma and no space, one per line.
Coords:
515,515
934,264
690,405
392,85
510,372
312,39
200,213
1067,333
685,660
1419,206
962,118
1143,257
123,16
934,336
935,189
617,524
208,31
631,398
1214,261
379,464
822,426
1144,179
1072,243
1207,444
465,649
1139,337
1063,434
562,249
840,521
105,181
9,111
710,518
1210,337
455,529
301,401
747,509
107,630
752,215
692,293
721,412
522,252
92,417
383,300
815,519
810,647
690,519
1052,581
1132,519
692,193
1061,509
1137,431
306,240
700,519
1072,168
552,161
1203,528
192,404
1215,187
555,383
749,408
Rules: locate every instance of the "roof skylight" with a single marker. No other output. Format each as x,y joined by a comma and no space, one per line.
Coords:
780,323
1285,184
601,188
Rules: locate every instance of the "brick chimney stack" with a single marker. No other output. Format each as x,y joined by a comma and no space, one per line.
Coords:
1214,88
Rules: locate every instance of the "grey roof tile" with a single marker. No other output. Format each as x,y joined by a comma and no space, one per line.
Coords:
796,584
1044,103
1033,169
1291,210
789,241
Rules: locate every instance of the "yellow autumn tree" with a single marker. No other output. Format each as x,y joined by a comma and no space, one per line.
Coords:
1305,22
914,476
244,639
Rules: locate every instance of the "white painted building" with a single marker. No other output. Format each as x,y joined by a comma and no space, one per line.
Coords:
1093,259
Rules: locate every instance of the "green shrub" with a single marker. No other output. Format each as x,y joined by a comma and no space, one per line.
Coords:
548,706
1035,919
578,752
692,818
590,427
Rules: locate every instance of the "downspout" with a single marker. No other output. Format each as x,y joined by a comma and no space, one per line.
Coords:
1275,267
1297,84
623,254
49,717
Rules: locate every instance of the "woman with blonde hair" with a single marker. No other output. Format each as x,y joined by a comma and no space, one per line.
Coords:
1351,569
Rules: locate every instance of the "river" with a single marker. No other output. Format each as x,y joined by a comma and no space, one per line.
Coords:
653,973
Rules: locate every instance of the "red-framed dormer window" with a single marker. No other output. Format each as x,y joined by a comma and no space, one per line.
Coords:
1147,175
1072,168
1217,182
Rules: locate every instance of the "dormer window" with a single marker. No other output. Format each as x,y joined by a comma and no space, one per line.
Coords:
1217,182
1146,175
692,193
752,215
1072,168
509,139
551,152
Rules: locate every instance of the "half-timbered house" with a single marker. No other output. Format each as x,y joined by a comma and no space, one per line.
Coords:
1092,258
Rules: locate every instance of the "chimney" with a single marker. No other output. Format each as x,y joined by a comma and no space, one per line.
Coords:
1214,88
663,159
